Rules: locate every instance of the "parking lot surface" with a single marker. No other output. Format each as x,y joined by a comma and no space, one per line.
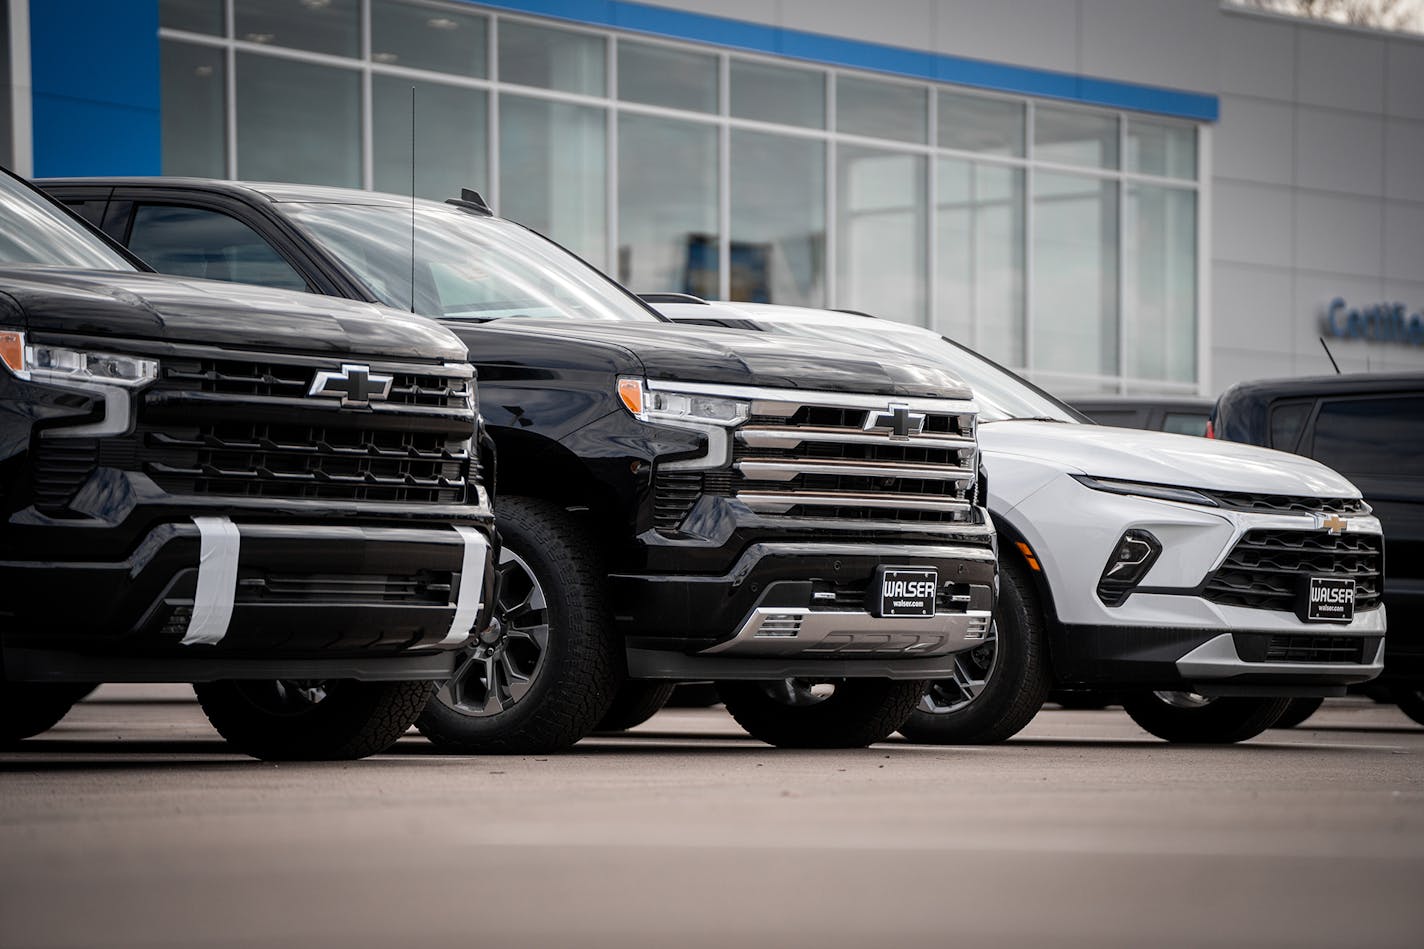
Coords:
130,824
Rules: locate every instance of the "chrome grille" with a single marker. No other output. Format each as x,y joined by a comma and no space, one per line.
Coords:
819,457
1266,567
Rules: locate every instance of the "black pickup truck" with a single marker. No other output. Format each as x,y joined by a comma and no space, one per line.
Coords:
801,524
270,495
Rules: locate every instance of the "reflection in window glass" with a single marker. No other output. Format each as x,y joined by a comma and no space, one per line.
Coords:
1075,274
468,266
421,37
1184,423
551,166
1373,437
298,122
193,110
327,26
450,137
980,270
195,242
1160,148
661,75
778,219
35,231
1075,137
551,59
978,124
770,93
1161,284
881,109
195,16
880,227
667,205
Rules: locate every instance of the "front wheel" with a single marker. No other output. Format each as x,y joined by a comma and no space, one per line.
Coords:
1410,699
800,713
311,719
546,671
999,685
29,708
1190,718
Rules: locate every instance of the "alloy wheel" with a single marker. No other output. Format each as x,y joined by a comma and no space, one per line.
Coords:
972,670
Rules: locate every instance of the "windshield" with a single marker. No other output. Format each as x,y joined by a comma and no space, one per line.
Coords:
1003,395
467,266
34,232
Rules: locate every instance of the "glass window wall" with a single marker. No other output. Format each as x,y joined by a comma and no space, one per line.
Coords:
880,229
882,109
778,242
435,38
449,137
194,94
662,75
979,267
562,60
321,26
779,94
1075,281
298,121
1161,283
667,206
553,172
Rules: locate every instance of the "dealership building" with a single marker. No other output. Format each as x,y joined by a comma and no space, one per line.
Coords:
1139,196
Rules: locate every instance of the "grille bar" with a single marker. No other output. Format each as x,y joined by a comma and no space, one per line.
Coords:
775,436
773,503
776,469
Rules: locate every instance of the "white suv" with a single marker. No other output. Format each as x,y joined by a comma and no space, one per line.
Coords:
1205,582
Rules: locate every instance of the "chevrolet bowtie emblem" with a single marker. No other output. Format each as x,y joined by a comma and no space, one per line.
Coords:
355,386
1334,523
897,420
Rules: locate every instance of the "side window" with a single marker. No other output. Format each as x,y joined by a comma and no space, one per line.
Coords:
1116,417
1380,437
91,210
1287,421
1184,423
196,242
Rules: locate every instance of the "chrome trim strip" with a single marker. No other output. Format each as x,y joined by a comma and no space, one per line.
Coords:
776,469
787,401
775,503
469,600
1217,659
763,436
218,545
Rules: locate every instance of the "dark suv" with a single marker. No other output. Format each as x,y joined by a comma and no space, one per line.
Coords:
267,494
1370,428
801,523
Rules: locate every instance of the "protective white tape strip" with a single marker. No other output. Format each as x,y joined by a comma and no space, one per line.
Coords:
472,582
217,580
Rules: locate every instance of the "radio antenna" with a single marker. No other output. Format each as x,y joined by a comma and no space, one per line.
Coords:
412,199
1331,355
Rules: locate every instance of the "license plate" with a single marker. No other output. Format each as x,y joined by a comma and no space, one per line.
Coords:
1328,600
906,591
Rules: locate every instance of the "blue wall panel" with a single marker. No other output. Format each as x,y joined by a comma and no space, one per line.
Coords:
94,67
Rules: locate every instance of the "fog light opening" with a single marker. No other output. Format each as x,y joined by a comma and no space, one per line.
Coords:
1134,554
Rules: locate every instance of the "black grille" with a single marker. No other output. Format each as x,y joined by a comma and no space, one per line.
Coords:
61,466
1265,568
674,494
243,377
259,459
1306,648
428,588
1288,504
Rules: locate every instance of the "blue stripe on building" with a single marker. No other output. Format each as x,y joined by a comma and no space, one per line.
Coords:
834,51
94,68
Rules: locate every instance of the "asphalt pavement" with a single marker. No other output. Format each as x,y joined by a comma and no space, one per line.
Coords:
131,825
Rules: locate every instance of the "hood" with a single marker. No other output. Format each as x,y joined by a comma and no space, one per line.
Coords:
1186,461
679,353
181,310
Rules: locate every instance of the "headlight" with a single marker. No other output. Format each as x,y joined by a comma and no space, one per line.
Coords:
40,362
689,409
1143,489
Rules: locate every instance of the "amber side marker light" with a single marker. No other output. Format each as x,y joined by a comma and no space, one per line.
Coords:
1028,555
12,351
630,391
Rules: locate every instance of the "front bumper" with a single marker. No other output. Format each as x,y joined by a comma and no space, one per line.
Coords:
800,609
1216,662
210,597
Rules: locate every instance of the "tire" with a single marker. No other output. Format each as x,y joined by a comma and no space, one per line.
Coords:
30,708
999,686
549,668
1297,712
1410,699
635,703
786,713
1188,718
311,720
